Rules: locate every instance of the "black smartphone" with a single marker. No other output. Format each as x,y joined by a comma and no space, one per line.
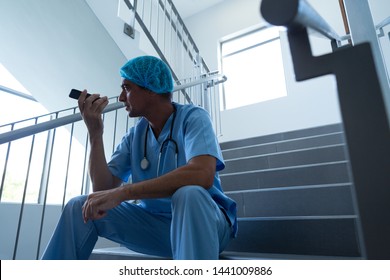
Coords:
75,94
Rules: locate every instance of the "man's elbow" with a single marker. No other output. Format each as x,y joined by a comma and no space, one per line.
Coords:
204,170
207,178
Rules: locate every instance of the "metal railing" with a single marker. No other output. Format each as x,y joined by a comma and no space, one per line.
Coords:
17,93
199,96
43,162
166,31
363,113
381,25
384,45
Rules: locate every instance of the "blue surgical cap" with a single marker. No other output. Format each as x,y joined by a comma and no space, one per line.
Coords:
149,72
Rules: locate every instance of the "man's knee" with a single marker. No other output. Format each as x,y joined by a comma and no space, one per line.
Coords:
191,198
189,192
75,203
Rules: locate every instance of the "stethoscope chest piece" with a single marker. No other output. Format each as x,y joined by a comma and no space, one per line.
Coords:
144,163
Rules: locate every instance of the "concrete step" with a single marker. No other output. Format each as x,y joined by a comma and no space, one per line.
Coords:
314,174
278,137
300,157
308,236
285,145
120,253
314,200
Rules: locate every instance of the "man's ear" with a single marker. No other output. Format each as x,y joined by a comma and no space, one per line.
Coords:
147,91
152,93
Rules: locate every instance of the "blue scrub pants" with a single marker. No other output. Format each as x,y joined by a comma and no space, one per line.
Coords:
197,229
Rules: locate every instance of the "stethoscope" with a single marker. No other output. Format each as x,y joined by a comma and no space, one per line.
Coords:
145,162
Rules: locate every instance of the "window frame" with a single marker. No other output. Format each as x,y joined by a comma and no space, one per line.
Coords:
237,36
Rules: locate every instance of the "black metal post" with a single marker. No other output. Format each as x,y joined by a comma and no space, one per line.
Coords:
365,123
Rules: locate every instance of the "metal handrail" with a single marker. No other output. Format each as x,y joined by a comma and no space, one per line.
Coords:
297,12
218,78
17,93
300,12
381,25
37,128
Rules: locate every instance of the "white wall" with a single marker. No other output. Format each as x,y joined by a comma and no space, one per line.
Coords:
380,9
29,231
51,46
308,104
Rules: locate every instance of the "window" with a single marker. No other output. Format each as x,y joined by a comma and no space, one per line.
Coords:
253,65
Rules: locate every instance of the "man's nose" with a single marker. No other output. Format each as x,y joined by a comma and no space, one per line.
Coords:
122,96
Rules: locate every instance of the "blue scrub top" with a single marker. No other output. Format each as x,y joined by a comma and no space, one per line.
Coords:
194,135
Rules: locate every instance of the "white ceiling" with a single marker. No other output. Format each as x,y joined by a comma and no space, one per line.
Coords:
188,8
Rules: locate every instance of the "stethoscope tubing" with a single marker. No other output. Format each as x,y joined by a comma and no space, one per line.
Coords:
145,162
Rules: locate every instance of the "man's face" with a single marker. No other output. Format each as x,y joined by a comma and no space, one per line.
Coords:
134,98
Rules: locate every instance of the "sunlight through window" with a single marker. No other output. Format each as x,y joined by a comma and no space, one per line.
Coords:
254,67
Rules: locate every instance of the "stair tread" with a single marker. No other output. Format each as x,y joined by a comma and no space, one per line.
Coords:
302,157
287,152
284,136
117,253
284,168
121,253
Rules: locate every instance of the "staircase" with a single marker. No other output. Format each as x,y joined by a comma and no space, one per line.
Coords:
294,194
294,197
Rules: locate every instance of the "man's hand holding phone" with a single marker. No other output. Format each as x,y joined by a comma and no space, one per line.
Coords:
91,107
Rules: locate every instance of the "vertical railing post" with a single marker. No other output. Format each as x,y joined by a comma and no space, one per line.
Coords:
24,196
45,189
362,29
5,168
67,165
83,189
46,166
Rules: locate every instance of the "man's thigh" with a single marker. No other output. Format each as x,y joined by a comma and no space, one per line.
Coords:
137,229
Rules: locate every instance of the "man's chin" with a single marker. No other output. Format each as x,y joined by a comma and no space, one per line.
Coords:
132,114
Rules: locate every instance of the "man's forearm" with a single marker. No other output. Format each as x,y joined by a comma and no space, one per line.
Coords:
199,171
101,176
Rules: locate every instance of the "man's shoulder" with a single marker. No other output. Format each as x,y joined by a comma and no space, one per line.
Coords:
189,109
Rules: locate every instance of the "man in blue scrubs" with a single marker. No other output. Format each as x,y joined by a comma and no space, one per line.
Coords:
168,162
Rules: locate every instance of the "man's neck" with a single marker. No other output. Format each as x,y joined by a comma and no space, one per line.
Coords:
159,117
